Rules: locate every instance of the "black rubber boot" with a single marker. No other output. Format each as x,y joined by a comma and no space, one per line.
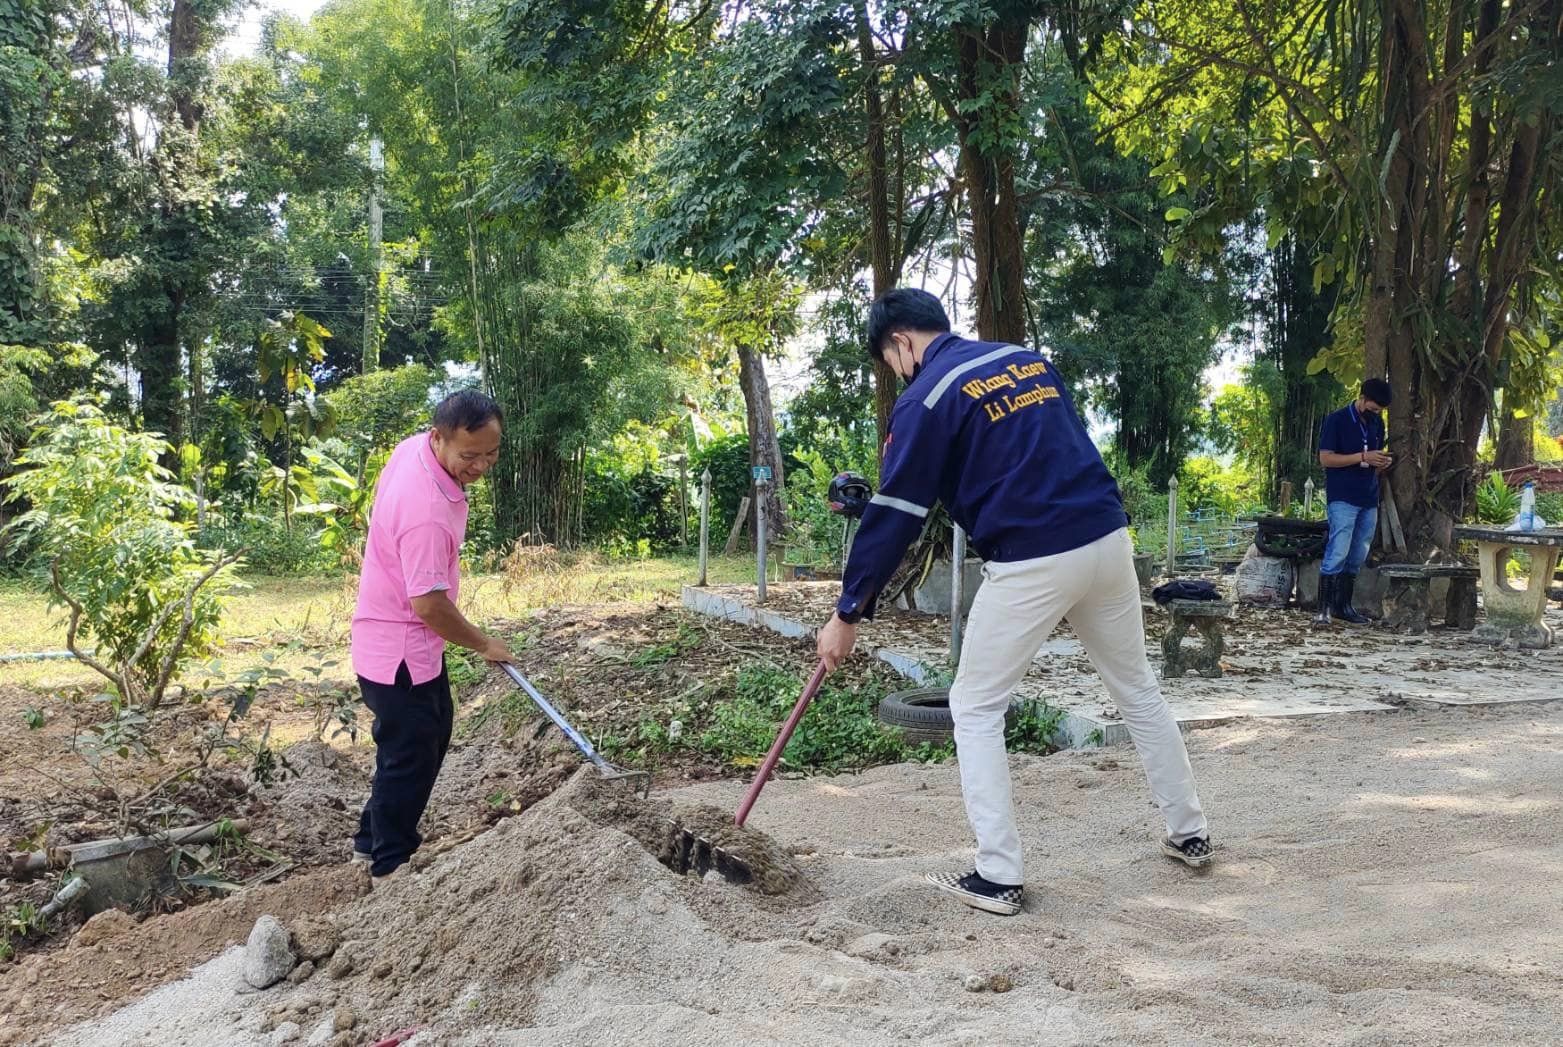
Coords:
1326,599
1345,585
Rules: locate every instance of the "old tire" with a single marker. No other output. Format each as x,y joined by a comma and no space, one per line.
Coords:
922,716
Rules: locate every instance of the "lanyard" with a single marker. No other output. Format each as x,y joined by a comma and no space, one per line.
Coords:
1361,428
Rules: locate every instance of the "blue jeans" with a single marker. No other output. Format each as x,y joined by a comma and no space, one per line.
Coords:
1351,536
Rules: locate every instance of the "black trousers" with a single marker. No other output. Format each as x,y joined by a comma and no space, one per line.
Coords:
411,733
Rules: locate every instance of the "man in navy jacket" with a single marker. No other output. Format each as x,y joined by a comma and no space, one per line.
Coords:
1351,449
989,429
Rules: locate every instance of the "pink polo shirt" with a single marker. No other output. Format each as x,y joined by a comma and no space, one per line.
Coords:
415,532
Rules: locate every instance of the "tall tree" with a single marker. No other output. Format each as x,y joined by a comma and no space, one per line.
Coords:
179,230
31,61
1422,139
1296,319
1134,333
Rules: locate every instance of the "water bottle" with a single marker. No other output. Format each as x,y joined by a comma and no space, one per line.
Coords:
1527,517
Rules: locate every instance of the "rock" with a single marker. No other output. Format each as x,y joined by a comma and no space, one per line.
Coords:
267,956
110,923
870,944
343,1018
341,966
302,973
975,983
383,969
315,938
287,1032
836,983
321,1034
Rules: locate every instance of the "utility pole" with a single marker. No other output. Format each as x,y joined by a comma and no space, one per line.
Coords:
372,284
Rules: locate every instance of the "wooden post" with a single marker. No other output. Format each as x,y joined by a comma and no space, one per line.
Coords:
738,525
683,501
1308,497
1286,498
1172,526
705,523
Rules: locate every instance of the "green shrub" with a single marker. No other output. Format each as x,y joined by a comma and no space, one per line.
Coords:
113,528
626,508
268,546
1496,501
1549,507
840,731
376,411
728,459
1206,484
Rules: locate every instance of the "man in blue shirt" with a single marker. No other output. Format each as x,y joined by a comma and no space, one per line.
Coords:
1351,450
989,429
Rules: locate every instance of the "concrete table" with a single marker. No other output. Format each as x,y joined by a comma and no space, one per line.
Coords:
1514,613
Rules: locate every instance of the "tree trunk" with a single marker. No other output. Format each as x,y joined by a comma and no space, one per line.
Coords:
1454,481
1297,328
881,245
21,161
158,360
1401,262
187,30
1516,442
764,448
197,383
989,65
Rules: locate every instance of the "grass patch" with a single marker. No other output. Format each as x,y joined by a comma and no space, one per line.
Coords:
734,724
315,612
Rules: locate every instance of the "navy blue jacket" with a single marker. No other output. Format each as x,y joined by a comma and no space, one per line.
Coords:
1347,432
989,430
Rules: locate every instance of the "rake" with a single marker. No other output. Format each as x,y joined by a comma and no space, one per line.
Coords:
779,744
640,781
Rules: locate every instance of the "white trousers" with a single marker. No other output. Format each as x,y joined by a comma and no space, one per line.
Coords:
1018,606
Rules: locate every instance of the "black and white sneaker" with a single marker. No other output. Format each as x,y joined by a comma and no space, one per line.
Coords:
980,893
1196,852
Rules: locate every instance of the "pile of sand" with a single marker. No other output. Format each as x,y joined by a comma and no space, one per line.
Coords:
1381,880
468,940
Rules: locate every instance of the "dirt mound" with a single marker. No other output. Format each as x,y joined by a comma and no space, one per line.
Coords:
125,959
310,813
471,939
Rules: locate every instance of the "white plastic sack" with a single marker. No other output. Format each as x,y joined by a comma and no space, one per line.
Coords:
1264,581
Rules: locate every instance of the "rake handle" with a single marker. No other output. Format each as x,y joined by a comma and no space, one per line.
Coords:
777,746
557,717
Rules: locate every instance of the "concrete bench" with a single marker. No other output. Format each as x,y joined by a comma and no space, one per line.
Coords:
1406,596
1208,618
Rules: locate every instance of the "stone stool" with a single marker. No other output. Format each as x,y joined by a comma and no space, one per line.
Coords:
1405,597
1460,605
1208,618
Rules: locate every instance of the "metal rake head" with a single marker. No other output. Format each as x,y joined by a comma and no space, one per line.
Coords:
686,852
638,781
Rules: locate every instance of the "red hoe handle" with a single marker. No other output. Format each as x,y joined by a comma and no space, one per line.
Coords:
777,746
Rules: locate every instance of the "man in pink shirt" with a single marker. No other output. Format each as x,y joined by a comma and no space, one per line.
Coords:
407,612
